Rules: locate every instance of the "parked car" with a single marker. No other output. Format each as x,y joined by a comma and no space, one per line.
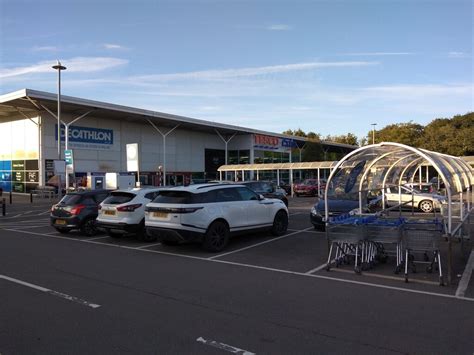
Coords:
211,213
78,210
425,202
309,187
268,189
123,212
285,186
338,207
424,187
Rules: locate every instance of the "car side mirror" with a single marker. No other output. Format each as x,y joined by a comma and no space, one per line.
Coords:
260,197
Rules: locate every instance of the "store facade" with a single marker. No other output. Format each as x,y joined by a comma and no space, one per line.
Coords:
176,148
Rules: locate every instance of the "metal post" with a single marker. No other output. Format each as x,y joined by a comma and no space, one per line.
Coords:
59,67
373,132
4,207
10,197
31,197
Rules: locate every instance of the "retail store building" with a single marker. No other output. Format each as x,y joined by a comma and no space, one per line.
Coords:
176,147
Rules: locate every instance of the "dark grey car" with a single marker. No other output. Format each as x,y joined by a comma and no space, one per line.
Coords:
266,188
77,210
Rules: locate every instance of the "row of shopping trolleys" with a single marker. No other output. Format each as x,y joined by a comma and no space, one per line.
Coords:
369,240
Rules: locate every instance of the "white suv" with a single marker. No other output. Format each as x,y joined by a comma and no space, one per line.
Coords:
211,213
123,212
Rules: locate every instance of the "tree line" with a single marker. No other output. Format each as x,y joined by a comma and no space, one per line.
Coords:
454,136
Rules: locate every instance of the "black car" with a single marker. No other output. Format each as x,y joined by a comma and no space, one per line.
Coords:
267,189
78,210
338,207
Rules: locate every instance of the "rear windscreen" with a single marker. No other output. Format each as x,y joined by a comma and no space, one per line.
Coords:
71,199
118,197
178,197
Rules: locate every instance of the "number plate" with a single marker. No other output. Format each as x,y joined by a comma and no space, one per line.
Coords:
160,214
60,221
110,213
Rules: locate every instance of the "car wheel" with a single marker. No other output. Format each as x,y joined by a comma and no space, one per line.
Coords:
216,237
280,223
89,228
297,195
426,206
63,230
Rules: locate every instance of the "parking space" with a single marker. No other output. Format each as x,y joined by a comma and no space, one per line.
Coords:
302,250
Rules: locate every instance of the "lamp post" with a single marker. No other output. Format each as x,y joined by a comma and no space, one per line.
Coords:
373,132
59,67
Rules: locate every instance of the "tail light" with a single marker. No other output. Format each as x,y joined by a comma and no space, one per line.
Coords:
77,209
129,208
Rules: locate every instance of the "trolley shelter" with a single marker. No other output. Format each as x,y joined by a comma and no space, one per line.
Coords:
367,172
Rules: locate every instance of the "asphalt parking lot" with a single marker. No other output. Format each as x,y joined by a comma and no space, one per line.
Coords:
297,259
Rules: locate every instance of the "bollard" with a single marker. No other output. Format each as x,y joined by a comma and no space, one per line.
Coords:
31,197
10,197
3,207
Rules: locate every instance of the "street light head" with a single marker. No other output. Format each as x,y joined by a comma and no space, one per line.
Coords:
59,66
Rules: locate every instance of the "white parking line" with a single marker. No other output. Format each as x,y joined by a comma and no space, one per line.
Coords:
319,268
361,283
51,292
29,227
466,277
222,346
148,246
97,238
256,245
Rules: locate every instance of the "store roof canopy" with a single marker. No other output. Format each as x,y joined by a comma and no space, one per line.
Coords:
16,104
279,166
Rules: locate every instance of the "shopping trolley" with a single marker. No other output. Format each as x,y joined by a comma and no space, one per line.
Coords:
423,237
347,239
381,233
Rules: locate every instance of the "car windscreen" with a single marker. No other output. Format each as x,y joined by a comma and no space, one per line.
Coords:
119,197
176,197
71,199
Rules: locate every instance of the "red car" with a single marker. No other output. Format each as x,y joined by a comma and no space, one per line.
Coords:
309,187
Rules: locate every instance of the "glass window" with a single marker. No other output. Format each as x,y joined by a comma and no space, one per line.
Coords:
228,194
101,196
247,194
244,156
117,198
70,199
177,197
233,157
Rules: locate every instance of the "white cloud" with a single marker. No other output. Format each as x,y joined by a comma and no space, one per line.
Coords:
113,46
78,64
45,49
278,28
380,53
249,72
454,54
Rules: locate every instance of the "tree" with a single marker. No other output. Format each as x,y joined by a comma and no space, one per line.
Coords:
348,138
406,133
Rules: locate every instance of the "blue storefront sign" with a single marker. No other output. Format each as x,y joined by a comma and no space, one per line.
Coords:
87,135
288,143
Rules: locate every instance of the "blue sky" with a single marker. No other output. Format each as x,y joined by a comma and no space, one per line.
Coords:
330,67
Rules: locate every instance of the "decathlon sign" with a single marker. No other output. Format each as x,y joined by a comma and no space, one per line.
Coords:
87,137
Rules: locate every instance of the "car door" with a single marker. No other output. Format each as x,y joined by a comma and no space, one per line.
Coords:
258,212
232,208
